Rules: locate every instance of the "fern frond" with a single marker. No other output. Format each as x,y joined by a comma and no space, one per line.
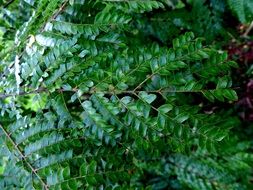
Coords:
102,105
242,9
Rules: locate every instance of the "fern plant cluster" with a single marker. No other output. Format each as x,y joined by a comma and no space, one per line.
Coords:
97,95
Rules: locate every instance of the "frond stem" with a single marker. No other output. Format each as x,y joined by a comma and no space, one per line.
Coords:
24,158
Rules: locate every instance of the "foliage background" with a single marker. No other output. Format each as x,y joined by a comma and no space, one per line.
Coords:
128,94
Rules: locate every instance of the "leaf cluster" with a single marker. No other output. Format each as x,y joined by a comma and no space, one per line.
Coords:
90,101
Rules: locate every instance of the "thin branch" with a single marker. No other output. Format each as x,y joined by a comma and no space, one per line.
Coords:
59,11
8,3
93,91
248,30
24,158
3,96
